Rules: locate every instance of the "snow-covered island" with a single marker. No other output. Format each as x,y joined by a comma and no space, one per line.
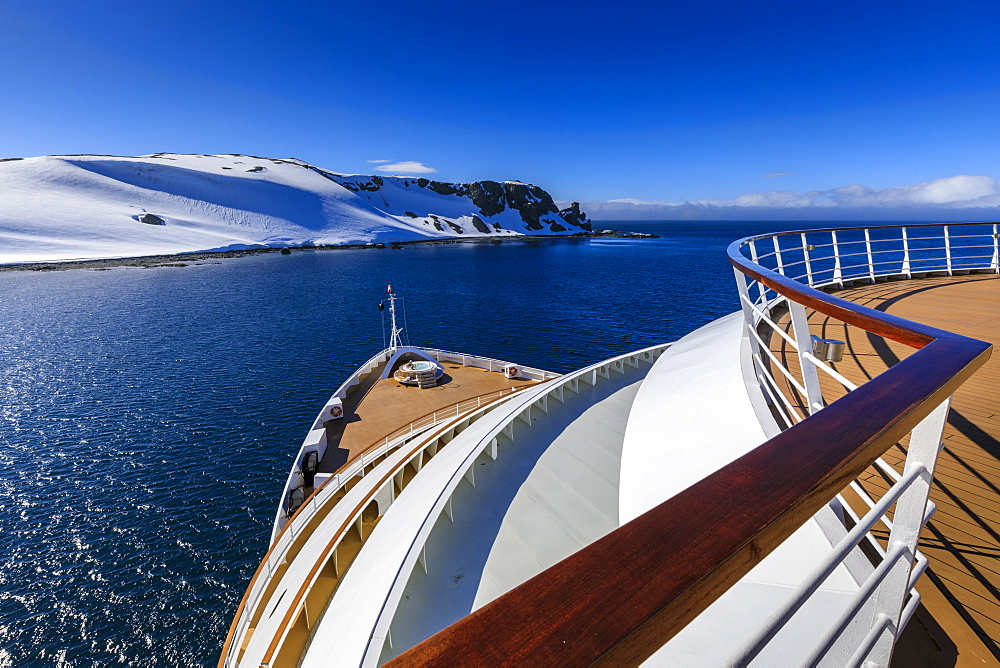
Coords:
66,208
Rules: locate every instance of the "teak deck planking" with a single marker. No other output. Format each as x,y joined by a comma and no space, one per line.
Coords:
376,408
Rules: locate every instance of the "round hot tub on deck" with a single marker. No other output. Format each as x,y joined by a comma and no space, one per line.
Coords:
423,373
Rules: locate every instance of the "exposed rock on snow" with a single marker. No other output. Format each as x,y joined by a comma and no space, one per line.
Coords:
151,219
574,216
534,206
79,207
480,226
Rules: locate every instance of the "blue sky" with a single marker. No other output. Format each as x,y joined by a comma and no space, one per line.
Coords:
656,103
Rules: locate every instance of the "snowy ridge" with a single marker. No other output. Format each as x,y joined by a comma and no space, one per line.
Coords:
89,207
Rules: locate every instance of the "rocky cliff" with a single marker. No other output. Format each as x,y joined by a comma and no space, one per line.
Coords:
483,202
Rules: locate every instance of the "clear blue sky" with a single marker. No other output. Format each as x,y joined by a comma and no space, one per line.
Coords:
661,101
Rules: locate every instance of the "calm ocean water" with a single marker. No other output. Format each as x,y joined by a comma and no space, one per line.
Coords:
148,417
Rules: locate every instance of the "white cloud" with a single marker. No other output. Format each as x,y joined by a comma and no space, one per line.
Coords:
637,202
954,197
774,175
378,162
406,167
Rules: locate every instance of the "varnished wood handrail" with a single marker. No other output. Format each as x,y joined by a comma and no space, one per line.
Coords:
622,597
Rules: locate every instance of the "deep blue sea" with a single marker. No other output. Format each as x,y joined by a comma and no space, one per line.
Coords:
148,417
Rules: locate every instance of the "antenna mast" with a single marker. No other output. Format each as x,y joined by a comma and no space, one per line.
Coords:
396,331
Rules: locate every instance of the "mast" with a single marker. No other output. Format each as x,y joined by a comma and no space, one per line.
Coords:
396,331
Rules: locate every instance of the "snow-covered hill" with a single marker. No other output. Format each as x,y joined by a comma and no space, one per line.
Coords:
88,207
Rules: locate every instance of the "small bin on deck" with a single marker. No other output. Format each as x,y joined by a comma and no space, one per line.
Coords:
512,371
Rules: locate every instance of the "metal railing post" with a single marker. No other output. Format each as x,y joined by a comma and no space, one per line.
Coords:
907,521
838,272
741,287
748,321
803,340
777,255
995,264
868,251
947,248
808,260
754,257
906,255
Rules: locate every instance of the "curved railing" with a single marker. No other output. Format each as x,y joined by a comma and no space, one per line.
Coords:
625,595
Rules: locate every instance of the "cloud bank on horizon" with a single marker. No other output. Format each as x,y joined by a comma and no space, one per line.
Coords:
961,197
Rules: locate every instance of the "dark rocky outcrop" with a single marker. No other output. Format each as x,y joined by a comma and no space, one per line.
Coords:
490,197
151,219
446,188
438,224
574,216
530,201
372,186
480,226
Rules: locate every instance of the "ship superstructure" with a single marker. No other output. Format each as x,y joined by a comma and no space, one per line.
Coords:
754,493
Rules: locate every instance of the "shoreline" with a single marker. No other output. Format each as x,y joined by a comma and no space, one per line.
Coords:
200,257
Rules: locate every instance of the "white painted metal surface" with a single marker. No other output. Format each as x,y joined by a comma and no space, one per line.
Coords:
693,415
444,492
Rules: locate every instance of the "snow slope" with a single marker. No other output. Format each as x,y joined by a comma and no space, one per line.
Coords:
87,207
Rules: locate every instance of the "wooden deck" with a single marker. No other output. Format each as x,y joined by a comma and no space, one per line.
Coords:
961,589
376,408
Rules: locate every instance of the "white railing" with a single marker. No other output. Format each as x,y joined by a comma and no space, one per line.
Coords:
820,258
488,363
887,598
315,440
907,254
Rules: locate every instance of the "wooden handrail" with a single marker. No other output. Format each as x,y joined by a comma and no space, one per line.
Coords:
622,597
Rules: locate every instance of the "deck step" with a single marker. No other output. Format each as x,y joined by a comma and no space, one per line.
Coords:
426,379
